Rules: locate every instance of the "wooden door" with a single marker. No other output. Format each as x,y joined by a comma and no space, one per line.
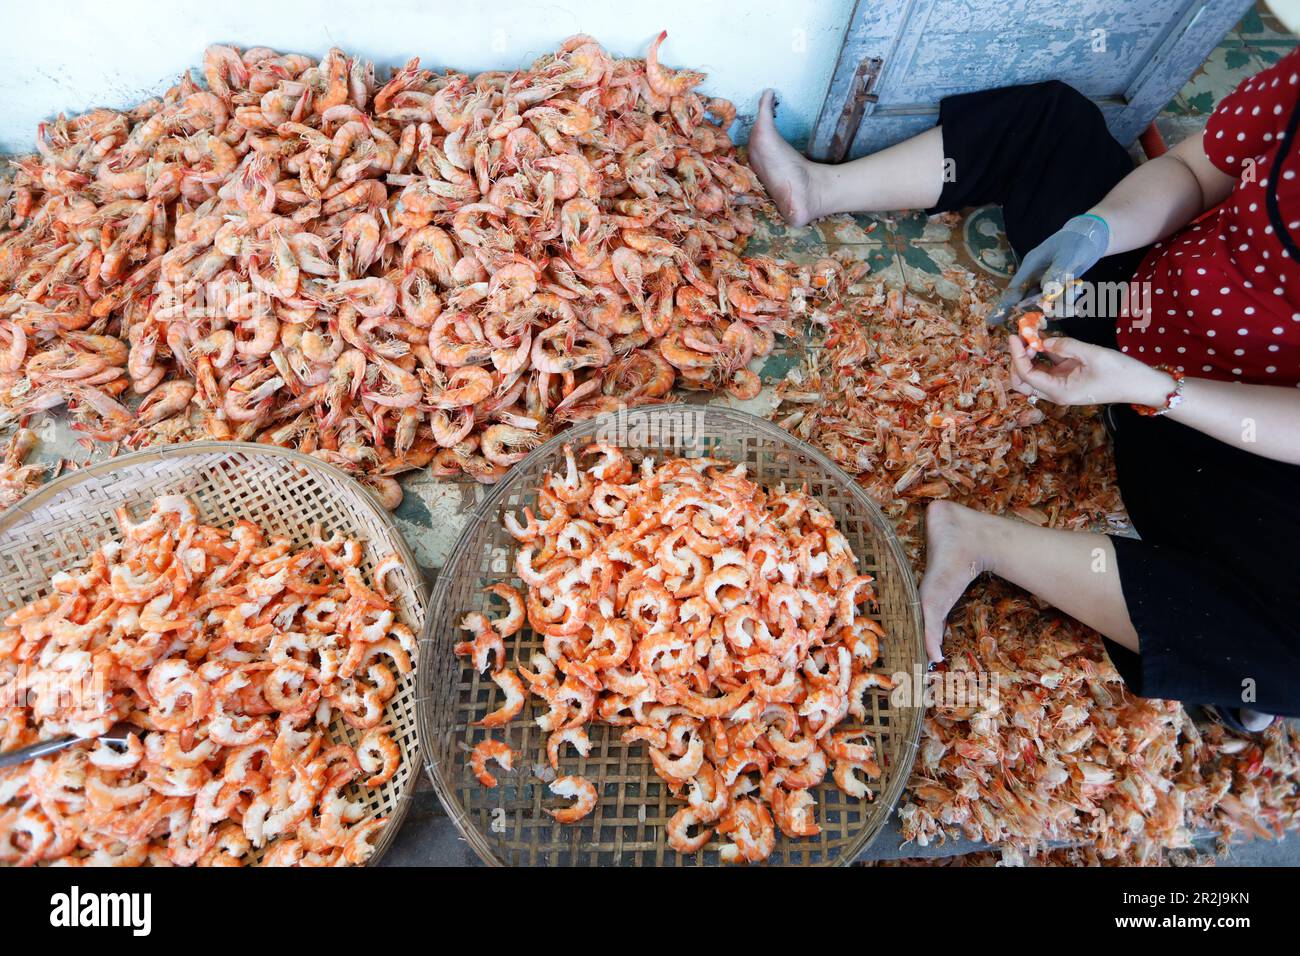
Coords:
901,57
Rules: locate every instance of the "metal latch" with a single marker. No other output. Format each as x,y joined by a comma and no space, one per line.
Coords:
861,92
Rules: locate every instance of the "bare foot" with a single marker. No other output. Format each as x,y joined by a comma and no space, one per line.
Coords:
953,560
1253,720
784,172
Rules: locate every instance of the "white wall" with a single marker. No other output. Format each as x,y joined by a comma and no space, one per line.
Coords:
63,56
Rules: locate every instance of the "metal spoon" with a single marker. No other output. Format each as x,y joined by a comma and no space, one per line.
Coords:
118,734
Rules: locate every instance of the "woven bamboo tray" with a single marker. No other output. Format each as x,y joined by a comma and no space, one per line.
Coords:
283,491
506,825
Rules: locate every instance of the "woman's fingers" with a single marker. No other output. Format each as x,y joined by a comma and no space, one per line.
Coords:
1018,353
1020,360
1019,384
1022,364
1045,384
1066,348
1035,379
1067,358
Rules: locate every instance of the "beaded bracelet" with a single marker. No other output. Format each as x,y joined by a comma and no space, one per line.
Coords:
1172,400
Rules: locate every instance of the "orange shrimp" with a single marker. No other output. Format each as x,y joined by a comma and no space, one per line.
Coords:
486,750
584,795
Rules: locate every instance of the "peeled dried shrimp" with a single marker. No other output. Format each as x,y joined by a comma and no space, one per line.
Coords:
232,654
720,623
428,271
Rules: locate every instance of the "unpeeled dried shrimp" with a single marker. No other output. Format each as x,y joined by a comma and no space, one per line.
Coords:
232,653
17,479
427,272
723,625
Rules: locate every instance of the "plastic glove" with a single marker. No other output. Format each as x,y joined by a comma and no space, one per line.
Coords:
1065,255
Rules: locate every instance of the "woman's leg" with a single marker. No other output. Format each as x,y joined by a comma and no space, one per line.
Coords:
1209,634
1041,151
908,175
1254,720
1206,636
1071,570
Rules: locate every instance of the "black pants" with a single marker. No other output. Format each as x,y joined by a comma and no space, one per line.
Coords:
1213,587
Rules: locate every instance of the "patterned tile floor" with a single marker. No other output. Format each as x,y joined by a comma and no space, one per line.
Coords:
1254,44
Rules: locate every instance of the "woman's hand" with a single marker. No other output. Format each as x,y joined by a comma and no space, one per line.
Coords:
1083,374
1054,263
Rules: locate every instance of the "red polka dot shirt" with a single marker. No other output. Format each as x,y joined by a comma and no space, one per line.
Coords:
1224,293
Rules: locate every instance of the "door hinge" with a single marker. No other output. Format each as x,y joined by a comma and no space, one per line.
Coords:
861,92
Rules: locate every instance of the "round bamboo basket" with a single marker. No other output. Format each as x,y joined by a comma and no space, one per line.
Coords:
283,491
506,825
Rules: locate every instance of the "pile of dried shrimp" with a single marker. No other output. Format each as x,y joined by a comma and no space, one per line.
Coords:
231,654
17,479
431,271
914,400
718,622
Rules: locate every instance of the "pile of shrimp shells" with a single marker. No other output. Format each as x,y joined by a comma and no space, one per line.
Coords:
431,271
716,621
914,400
232,654
1069,755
